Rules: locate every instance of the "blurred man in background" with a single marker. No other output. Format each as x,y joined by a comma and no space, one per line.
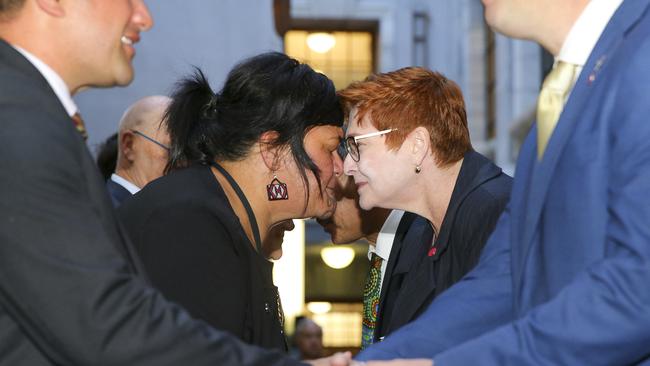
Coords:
143,148
308,339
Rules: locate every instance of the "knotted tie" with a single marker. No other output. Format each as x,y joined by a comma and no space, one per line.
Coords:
371,293
554,91
80,125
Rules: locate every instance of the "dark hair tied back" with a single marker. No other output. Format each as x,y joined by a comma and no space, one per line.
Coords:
268,92
192,109
210,110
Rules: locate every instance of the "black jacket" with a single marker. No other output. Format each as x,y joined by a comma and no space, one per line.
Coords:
71,292
196,253
413,278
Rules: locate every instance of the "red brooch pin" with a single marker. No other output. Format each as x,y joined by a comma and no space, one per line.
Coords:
432,251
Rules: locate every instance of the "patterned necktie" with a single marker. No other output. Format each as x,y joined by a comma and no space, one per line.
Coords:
80,125
371,293
554,91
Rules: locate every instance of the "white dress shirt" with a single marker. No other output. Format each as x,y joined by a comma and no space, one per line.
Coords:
56,82
586,31
385,240
125,183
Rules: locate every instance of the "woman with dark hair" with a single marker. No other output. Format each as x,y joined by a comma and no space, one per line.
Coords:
243,161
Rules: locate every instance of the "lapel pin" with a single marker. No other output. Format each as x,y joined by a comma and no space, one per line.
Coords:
596,69
432,251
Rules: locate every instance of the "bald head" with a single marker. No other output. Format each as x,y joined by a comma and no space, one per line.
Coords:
145,114
309,339
142,155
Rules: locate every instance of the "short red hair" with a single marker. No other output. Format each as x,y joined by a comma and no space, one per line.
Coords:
409,98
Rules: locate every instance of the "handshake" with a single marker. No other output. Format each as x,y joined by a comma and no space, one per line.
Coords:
345,359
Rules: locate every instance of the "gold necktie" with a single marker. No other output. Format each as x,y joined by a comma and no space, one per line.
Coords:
554,91
80,125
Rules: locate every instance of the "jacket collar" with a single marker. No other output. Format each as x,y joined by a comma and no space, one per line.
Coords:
12,60
475,170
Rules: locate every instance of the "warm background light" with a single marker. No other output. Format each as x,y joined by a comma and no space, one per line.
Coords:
319,307
289,273
337,257
321,42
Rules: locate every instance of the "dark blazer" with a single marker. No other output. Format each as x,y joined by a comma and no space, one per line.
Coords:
117,192
563,280
481,193
71,292
197,254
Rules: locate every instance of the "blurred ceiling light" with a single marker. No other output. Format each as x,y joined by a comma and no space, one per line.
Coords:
321,42
337,257
319,307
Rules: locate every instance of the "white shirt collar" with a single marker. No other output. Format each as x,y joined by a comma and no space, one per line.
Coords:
586,31
125,183
386,236
56,83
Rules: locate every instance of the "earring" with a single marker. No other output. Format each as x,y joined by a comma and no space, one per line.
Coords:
276,190
418,169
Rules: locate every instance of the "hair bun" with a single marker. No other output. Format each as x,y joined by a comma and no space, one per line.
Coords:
211,108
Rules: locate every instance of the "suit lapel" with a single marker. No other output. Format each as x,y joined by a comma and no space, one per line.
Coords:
518,204
398,242
418,276
393,260
628,13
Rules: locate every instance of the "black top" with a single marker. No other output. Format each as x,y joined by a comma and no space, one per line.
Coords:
413,278
197,254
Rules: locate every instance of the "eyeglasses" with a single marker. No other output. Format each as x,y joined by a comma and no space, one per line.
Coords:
353,148
151,139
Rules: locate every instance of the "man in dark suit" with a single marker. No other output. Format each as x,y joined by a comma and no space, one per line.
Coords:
71,290
564,278
384,230
143,148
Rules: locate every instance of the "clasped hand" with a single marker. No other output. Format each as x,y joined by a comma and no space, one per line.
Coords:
345,359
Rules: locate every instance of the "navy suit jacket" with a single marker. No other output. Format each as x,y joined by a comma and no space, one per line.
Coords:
117,192
565,277
413,278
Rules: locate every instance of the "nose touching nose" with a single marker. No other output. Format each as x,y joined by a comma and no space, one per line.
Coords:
337,164
349,165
